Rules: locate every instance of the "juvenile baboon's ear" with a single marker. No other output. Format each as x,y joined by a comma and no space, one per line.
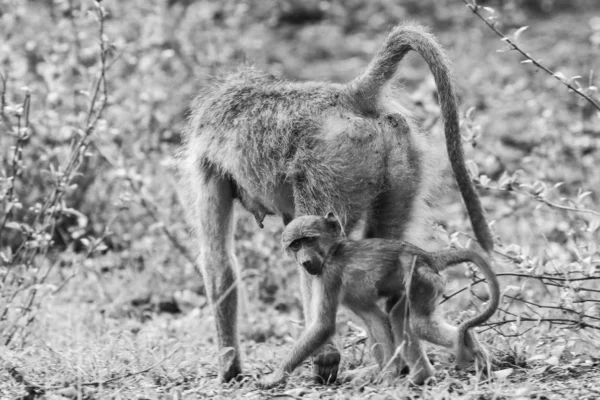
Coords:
333,223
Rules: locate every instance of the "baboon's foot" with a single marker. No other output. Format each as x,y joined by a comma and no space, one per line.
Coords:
275,379
373,373
482,362
420,374
473,352
363,373
326,364
230,372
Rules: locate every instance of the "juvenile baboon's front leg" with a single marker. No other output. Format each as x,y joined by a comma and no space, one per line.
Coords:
326,360
412,349
323,306
213,212
313,338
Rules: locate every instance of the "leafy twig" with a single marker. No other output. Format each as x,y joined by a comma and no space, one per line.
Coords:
21,135
526,276
4,79
37,239
560,321
541,199
492,25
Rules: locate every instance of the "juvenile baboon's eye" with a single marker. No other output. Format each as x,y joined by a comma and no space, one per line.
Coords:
295,245
310,240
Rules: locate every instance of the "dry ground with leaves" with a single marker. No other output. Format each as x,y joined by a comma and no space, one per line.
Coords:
98,296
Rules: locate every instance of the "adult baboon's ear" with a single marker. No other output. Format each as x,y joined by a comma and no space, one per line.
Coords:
333,223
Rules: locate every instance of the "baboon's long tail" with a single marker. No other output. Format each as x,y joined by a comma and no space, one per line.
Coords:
448,258
367,90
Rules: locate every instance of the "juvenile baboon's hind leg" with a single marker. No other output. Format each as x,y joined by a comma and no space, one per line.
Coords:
212,203
420,368
380,335
436,330
428,323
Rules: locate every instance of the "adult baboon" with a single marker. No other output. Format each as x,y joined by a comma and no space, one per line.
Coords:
357,274
306,148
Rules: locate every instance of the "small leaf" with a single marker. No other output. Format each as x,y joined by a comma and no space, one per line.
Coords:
560,76
469,113
553,360
527,62
516,289
503,373
583,195
540,370
484,180
594,225
557,351
519,31
473,168
537,357
226,356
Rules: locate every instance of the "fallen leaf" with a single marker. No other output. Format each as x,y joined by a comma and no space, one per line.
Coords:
503,373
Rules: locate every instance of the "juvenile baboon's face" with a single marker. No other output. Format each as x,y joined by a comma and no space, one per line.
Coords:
308,253
309,239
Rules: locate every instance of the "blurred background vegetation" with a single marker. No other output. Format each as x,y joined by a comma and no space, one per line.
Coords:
96,271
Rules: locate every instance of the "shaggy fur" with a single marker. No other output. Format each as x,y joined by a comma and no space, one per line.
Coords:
299,148
357,273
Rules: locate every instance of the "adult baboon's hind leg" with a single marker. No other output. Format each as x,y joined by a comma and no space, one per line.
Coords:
394,210
212,203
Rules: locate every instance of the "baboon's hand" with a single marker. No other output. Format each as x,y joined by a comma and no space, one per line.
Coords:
325,365
272,380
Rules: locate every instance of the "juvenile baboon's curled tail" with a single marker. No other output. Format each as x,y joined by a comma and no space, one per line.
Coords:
445,259
367,90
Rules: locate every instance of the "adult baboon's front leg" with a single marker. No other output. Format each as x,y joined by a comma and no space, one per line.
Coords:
213,209
327,359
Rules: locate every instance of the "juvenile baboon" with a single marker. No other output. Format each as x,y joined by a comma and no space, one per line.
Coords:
358,273
307,148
